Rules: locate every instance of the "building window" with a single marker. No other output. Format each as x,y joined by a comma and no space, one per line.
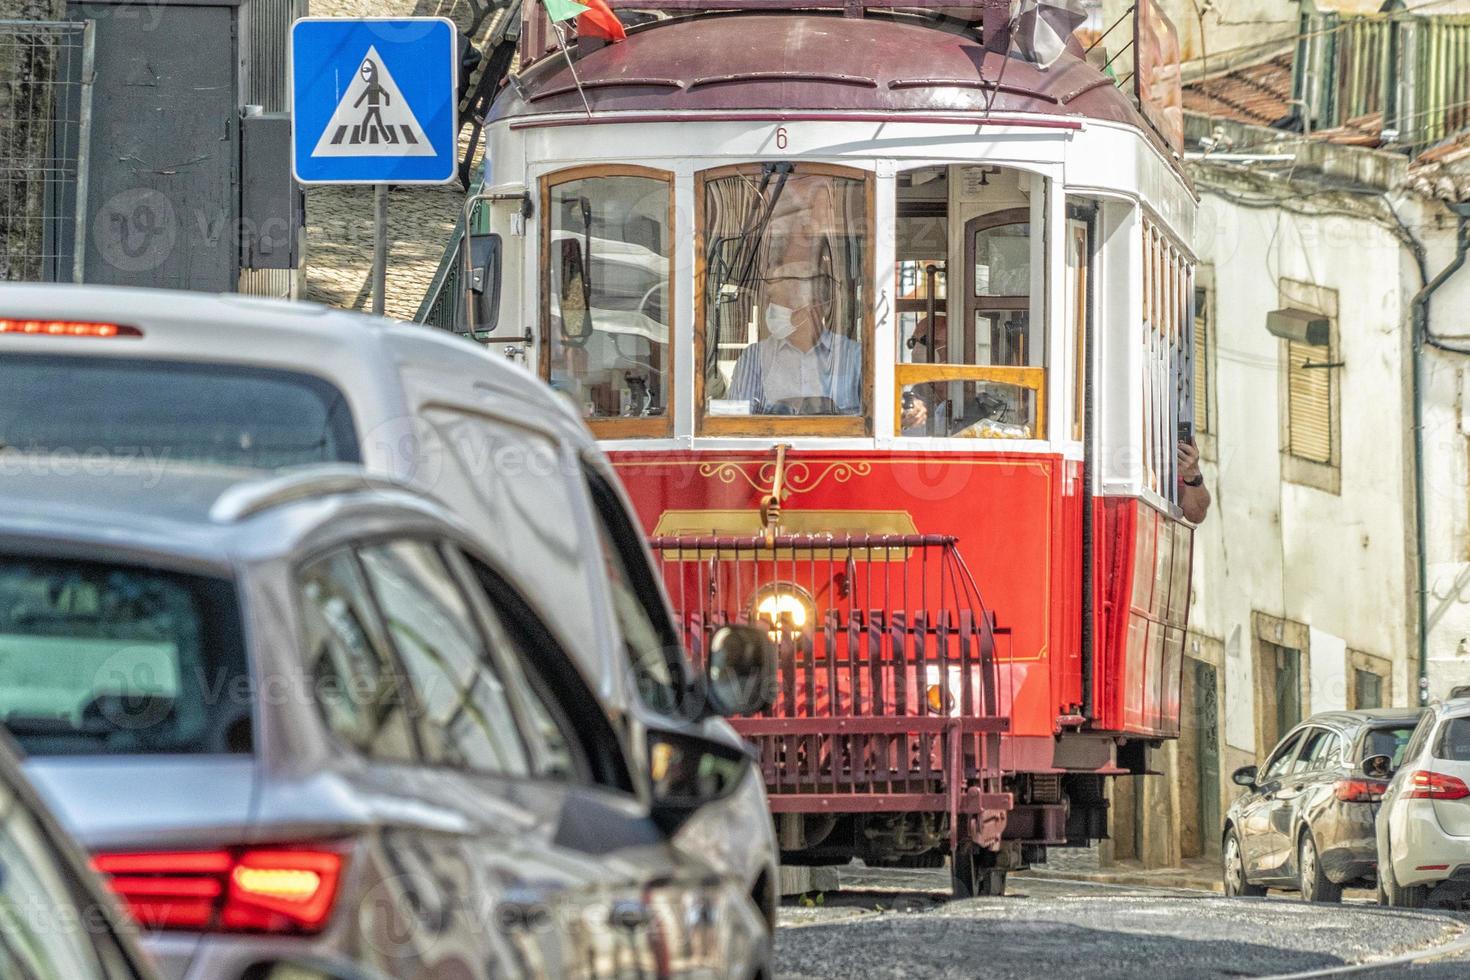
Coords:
1309,402
1369,684
1367,689
1311,422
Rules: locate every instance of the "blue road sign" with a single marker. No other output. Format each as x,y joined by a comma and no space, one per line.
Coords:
374,100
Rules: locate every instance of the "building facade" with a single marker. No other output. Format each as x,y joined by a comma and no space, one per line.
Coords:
1310,570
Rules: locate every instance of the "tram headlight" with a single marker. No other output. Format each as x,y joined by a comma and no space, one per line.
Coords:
944,698
785,607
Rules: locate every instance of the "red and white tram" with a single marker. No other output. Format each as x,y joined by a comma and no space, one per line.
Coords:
887,330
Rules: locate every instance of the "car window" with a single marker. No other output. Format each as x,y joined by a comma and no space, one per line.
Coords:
41,932
1387,741
1453,741
1320,751
467,718
175,410
548,731
1282,757
564,699
353,679
97,658
654,654
1415,748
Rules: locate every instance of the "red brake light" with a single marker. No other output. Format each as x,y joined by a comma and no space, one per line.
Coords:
66,328
1359,790
1430,785
281,890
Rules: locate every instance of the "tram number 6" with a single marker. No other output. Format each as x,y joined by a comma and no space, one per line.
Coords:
780,137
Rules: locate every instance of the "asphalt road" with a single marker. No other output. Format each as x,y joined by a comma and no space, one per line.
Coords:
902,924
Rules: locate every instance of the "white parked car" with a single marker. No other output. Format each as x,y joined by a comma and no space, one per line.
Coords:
1424,821
88,373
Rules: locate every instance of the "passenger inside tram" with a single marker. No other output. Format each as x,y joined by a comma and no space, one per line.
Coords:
787,306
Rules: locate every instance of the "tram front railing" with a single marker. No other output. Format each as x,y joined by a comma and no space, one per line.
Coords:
886,694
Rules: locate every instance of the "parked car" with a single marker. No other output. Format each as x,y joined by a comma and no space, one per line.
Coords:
1306,819
1424,822
58,922
160,375
308,714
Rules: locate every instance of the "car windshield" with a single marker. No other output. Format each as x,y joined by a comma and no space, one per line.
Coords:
1389,740
94,407
100,659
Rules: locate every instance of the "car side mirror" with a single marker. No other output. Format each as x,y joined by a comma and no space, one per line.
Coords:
1244,776
688,771
1378,767
576,294
740,672
484,282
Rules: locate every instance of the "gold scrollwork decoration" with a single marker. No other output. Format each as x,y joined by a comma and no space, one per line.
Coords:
799,476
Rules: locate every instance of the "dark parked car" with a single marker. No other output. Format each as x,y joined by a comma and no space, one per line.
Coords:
1307,821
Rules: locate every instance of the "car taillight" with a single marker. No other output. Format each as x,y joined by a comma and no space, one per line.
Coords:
1359,790
1429,785
277,890
66,328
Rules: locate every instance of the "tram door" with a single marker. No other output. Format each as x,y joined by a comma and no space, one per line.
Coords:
1207,751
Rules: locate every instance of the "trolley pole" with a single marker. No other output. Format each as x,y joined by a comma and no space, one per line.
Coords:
380,246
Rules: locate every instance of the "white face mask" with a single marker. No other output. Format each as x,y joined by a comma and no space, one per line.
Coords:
778,321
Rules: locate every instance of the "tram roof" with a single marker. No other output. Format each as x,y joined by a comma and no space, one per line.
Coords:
816,62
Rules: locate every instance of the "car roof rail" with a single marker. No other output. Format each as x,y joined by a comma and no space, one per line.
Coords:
298,483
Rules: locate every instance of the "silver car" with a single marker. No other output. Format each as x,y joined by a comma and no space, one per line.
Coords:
59,923
167,375
307,715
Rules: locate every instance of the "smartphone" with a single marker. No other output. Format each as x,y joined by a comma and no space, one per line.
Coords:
1186,432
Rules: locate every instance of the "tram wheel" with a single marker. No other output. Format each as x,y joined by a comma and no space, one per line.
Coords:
973,874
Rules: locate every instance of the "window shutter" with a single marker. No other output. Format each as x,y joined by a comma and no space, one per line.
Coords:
1309,402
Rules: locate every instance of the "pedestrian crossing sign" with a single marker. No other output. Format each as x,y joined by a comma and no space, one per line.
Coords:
374,100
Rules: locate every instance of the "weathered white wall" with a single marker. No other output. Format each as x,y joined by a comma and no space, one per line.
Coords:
1447,465
1337,563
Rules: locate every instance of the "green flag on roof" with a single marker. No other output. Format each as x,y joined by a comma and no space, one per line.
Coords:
559,10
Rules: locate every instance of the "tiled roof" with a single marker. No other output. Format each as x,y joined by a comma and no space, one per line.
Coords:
1258,95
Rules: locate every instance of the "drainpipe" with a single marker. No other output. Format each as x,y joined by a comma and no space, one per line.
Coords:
1423,337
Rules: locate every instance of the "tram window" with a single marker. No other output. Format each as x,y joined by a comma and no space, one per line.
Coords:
968,345
606,274
785,296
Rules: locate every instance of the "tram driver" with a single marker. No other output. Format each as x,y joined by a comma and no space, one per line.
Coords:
801,366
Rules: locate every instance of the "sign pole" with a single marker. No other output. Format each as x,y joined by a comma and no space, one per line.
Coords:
380,246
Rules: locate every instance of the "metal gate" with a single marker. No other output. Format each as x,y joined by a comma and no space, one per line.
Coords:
45,124
886,698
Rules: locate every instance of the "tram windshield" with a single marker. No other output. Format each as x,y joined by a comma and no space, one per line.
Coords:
785,298
969,347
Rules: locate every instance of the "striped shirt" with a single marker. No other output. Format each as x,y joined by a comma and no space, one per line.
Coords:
772,371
